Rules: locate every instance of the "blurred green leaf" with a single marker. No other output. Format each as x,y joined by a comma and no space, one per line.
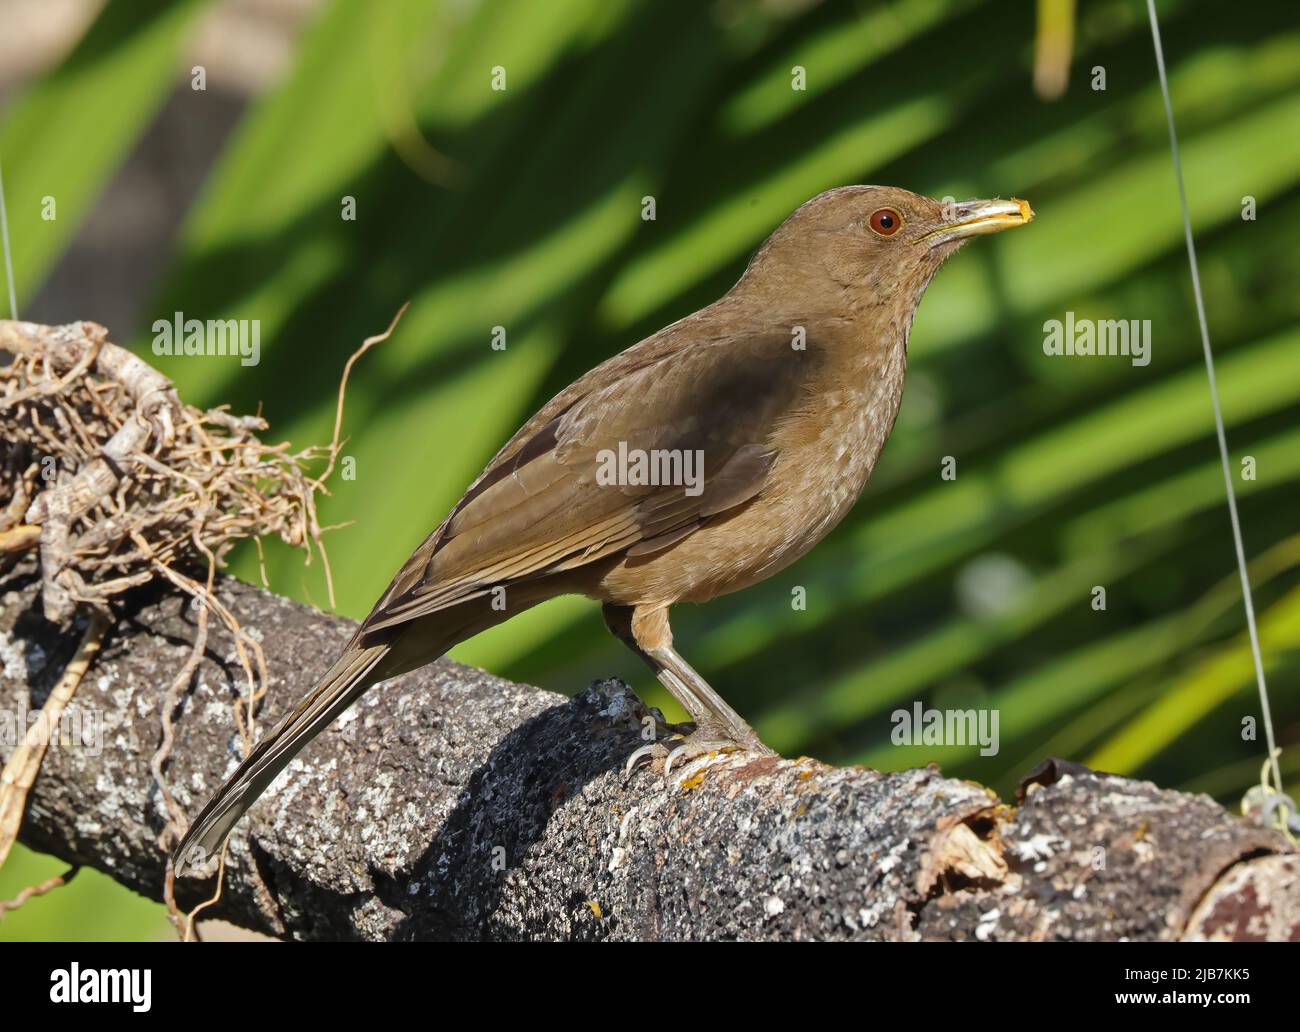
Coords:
67,136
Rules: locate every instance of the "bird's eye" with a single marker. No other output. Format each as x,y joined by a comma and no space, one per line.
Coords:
885,221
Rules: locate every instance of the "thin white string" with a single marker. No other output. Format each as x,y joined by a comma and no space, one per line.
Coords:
9,262
1214,397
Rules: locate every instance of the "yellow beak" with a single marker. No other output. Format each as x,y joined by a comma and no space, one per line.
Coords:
971,218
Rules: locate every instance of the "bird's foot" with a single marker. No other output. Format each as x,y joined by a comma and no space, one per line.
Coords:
717,739
697,745
666,734
682,748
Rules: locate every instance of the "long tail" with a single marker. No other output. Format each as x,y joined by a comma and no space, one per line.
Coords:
355,671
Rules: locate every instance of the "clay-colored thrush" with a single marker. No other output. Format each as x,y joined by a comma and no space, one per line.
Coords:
697,462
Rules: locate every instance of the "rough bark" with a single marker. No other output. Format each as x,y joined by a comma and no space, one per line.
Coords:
452,804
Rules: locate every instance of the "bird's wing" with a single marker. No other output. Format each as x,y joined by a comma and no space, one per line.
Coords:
543,505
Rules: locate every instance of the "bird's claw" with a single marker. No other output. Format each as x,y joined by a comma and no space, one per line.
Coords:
694,747
653,750
658,750
689,746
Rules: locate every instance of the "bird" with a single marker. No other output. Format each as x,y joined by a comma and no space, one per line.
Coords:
698,462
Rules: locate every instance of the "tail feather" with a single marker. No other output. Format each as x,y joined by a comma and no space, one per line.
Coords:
355,671
360,666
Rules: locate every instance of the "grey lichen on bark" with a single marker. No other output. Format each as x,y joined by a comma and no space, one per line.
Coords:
452,804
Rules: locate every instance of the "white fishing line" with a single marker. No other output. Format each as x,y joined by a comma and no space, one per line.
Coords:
9,262
1214,397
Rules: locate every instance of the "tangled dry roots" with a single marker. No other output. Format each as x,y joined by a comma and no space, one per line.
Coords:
117,481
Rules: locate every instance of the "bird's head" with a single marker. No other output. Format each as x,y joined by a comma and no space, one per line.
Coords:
866,246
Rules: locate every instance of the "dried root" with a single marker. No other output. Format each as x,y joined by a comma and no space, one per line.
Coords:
111,475
118,483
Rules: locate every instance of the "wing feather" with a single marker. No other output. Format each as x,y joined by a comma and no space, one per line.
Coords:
540,506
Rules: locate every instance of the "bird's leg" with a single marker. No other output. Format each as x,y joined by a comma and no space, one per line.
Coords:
619,621
718,727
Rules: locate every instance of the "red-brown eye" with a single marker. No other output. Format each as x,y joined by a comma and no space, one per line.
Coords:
885,221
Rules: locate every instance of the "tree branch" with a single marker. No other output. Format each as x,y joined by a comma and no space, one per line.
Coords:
451,804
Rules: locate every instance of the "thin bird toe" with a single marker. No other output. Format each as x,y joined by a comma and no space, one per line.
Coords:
694,748
652,750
